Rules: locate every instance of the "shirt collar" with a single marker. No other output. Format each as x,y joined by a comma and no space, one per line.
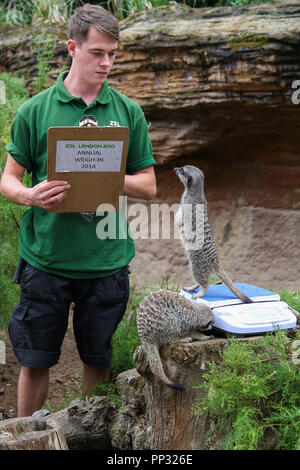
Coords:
65,96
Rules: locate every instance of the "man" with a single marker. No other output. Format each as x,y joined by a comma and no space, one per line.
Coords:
63,259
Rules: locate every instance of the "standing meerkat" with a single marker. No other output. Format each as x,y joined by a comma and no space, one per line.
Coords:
196,235
165,317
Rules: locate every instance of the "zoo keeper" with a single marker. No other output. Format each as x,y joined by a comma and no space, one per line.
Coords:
63,260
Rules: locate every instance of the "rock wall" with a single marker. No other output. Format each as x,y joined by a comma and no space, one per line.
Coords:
217,87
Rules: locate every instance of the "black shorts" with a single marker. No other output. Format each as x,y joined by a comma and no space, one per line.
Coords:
40,320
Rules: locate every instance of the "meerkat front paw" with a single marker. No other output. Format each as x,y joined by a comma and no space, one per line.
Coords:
197,336
206,338
201,292
186,339
191,288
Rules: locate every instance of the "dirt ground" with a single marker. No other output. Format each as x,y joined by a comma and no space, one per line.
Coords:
64,377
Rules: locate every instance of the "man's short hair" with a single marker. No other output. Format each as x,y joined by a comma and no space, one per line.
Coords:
94,16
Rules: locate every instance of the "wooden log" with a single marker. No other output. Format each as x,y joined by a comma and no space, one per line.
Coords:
85,423
169,411
31,434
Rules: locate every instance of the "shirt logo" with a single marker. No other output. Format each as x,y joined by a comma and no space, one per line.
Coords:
114,124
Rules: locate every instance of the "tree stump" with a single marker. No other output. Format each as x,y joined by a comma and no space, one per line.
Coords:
31,434
169,411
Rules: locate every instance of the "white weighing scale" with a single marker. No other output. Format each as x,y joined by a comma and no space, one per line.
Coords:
233,317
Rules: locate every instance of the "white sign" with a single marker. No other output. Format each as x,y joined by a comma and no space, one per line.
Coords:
86,155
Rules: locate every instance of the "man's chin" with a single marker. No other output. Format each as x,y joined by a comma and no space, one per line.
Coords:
101,76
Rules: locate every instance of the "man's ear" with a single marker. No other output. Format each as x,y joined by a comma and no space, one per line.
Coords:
71,47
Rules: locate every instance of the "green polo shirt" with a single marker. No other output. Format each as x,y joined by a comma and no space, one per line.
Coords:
66,244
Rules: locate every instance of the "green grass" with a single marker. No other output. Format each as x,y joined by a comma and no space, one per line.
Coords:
25,13
45,48
20,12
291,298
253,390
14,95
10,214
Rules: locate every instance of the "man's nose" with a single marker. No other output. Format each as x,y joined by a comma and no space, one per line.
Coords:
105,59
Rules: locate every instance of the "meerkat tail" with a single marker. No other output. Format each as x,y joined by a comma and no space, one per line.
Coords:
156,366
230,284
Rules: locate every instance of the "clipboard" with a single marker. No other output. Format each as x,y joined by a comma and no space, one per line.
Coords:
92,160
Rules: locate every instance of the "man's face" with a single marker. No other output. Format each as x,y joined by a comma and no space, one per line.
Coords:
93,59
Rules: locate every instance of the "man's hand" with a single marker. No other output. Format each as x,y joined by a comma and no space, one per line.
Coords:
48,194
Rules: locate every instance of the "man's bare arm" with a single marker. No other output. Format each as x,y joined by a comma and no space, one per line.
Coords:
46,194
142,184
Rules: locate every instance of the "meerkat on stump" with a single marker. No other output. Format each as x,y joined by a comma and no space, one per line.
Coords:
166,317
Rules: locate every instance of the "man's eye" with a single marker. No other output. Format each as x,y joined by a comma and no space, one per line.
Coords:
99,54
